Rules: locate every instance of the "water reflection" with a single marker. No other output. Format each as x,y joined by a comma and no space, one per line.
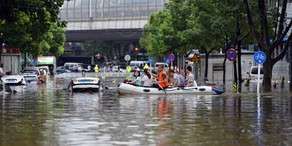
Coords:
55,117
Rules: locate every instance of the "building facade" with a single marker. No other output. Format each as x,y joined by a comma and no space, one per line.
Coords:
111,28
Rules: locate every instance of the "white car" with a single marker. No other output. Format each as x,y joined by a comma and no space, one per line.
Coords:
31,75
16,83
30,78
84,84
73,66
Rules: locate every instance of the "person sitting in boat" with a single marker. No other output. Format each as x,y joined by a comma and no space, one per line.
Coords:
179,78
171,80
189,77
147,79
136,78
162,79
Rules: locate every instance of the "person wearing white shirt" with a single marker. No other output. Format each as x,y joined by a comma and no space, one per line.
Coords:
189,77
147,79
1,70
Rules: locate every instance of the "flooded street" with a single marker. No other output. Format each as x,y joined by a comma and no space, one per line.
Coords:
50,116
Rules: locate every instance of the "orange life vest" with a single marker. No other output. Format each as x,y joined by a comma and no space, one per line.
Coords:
162,81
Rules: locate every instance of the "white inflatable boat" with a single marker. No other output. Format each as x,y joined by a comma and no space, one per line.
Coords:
15,83
84,84
125,88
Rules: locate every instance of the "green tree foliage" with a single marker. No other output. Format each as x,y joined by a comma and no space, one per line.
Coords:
157,34
206,25
187,24
33,26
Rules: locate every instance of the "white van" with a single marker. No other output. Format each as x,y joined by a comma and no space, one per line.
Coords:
157,64
137,64
73,66
254,73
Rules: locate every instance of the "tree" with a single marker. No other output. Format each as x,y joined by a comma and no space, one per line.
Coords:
157,34
269,29
206,25
56,39
32,25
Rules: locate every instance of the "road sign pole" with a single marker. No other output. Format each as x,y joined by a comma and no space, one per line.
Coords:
260,58
258,83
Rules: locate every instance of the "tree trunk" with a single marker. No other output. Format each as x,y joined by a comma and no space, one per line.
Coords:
206,66
224,62
25,59
267,80
290,73
235,73
224,71
239,65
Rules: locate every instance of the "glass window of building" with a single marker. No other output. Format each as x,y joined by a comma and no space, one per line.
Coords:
82,10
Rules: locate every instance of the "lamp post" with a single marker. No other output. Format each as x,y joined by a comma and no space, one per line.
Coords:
136,51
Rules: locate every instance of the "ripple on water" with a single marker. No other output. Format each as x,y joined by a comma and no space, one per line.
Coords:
53,117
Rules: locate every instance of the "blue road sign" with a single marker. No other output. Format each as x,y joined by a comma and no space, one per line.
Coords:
231,54
259,57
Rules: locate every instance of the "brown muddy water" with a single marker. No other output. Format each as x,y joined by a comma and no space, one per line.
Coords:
49,116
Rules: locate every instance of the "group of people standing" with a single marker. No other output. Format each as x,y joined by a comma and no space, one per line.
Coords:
163,79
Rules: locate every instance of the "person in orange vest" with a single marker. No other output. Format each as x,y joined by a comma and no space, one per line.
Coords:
162,80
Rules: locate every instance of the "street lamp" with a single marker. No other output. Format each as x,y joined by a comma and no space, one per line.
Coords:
136,51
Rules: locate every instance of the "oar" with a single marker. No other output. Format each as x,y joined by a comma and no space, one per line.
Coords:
110,88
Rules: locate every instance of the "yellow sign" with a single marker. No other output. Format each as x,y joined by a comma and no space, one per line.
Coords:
195,58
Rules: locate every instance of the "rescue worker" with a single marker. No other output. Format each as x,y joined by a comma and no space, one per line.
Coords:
162,80
129,69
146,66
96,69
128,74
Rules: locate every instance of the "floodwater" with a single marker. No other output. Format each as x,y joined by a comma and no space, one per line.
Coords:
49,116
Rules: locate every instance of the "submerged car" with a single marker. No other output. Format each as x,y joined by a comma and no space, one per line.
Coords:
62,69
85,84
31,78
15,83
32,74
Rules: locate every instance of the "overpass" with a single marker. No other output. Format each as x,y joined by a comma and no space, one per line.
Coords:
105,20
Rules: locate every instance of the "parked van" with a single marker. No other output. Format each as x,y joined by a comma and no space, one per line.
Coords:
73,66
157,64
254,73
137,64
